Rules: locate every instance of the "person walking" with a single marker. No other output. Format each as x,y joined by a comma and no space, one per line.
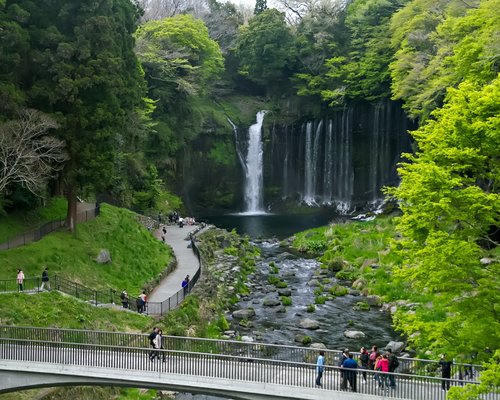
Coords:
158,346
45,279
124,298
445,372
364,358
20,280
320,367
185,285
350,373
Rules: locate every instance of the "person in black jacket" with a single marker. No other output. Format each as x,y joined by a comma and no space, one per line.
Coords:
445,371
45,279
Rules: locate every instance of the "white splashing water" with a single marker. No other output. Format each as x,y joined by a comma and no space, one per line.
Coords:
254,182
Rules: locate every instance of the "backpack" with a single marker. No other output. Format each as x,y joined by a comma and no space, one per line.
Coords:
122,296
151,337
394,362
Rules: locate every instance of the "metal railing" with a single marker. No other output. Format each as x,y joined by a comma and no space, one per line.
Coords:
408,366
111,296
49,227
127,357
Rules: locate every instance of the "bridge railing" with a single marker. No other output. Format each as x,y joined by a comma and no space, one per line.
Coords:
410,366
131,361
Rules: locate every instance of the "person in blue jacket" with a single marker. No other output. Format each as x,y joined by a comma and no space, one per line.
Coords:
350,365
320,367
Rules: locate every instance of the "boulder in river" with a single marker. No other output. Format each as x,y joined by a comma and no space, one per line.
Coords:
308,323
244,313
271,301
285,292
396,347
354,334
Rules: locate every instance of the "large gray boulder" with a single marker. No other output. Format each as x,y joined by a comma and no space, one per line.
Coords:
271,301
396,347
285,292
308,323
244,313
103,257
354,334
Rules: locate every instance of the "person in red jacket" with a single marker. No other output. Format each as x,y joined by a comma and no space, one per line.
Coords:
383,366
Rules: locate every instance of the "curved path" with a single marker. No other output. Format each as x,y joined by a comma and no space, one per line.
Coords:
187,262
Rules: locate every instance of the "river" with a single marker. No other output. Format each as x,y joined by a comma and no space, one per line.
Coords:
334,317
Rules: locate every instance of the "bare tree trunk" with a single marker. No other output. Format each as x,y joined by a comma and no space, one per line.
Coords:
71,215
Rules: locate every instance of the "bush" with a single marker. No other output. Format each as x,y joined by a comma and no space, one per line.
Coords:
286,300
311,308
320,300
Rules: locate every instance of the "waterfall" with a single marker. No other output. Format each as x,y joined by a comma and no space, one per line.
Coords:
253,168
308,197
328,171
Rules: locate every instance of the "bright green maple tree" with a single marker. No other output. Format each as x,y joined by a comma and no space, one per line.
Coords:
449,195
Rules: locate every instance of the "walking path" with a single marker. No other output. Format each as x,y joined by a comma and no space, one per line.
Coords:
187,262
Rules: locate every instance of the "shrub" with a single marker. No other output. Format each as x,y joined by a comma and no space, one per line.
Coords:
311,308
286,300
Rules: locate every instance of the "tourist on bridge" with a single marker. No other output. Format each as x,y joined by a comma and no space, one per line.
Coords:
382,365
45,279
320,367
350,365
157,345
20,280
374,354
364,359
445,372
343,379
393,364
151,338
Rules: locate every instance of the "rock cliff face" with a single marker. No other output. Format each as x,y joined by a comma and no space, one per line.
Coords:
340,158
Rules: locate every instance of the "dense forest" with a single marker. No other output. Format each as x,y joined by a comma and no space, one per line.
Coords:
98,99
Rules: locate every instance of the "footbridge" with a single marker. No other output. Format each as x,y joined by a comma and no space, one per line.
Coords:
44,357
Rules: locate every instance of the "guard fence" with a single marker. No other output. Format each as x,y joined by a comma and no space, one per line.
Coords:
250,351
131,359
106,297
49,227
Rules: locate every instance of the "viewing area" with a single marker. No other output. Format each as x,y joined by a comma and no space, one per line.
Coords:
44,357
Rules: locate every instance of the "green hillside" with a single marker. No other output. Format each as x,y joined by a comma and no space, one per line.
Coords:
137,257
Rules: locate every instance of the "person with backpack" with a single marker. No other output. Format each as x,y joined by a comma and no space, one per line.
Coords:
152,337
393,364
124,298
364,358
45,279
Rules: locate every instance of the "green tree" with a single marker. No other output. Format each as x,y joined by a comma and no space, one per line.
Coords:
265,49
81,67
438,45
449,196
260,6
181,62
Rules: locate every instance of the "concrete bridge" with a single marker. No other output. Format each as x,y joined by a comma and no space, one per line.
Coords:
41,357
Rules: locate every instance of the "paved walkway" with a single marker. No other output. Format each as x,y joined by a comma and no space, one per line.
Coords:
187,262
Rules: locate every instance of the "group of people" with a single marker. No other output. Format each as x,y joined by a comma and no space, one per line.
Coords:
140,301
45,280
155,341
374,361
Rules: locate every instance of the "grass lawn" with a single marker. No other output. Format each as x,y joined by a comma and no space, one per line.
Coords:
54,309
137,257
